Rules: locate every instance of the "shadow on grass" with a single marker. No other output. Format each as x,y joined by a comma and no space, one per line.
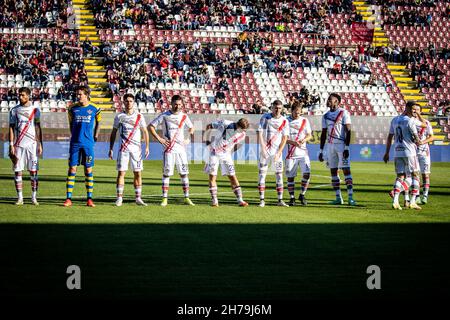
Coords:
223,261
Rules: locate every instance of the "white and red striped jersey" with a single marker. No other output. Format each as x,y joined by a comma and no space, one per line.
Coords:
423,133
24,119
173,126
335,122
130,130
273,130
298,130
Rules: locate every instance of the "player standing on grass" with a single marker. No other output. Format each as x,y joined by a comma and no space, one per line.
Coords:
84,122
226,138
297,154
129,124
173,123
425,132
273,132
336,131
403,130
25,143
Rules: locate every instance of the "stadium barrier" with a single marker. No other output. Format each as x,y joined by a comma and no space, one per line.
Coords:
368,138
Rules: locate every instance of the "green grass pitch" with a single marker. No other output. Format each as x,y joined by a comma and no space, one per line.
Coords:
180,252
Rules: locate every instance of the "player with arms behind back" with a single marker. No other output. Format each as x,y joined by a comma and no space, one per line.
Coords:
84,122
336,131
403,130
227,136
173,123
130,124
297,154
25,143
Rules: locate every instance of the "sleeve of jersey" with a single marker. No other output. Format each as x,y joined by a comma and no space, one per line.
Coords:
143,123
430,129
286,128
188,123
262,123
98,115
412,128
308,129
157,121
346,119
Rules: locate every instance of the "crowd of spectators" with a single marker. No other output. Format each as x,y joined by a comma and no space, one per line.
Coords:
37,63
415,17
264,15
33,13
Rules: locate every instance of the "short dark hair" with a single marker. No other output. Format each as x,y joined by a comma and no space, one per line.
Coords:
85,89
128,95
277,103
411,104
26,90
336,96
176,98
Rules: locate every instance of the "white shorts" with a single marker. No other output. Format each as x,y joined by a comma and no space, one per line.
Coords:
424,163
123,158
26,158
179,159
335,157
226,165
406,165
292,166
275,165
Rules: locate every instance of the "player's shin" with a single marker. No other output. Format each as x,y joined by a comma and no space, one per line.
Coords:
34,184
279,185
349,183
415,188
238,193
262,185
70,183
291,187
165,186
406,185
336,183
89,183
18,184
426,184
185,184
305,182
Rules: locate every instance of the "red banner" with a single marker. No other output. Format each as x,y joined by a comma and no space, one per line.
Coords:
361,32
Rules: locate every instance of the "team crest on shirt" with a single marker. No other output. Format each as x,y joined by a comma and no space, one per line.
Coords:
89,111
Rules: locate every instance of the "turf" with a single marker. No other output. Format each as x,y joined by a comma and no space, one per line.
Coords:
180,252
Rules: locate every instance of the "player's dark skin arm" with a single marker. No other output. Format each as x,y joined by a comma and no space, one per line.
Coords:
348,136
388,147
323,138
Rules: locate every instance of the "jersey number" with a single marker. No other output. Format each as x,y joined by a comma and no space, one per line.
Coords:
398,135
